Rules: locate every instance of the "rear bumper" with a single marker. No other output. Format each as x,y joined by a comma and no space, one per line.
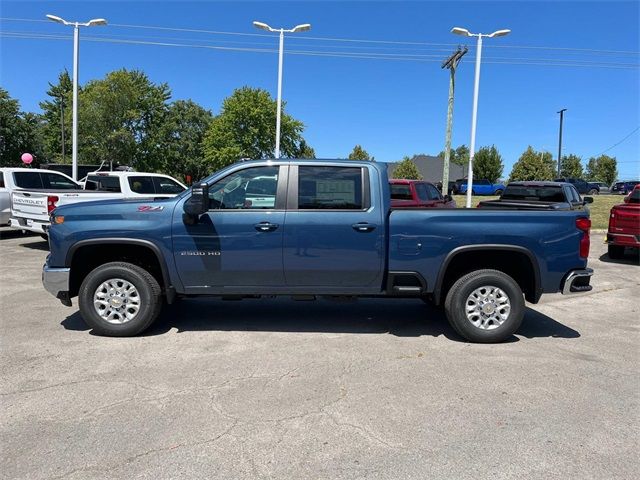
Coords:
623,239
577,281
56,282
28,224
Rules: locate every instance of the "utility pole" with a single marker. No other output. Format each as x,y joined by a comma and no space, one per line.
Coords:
62,123
451,63
561,112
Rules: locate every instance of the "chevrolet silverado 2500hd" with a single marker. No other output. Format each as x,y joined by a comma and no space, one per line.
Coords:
310,228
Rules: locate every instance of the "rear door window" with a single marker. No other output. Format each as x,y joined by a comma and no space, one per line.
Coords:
400,191
330,188
57,182
27,180
142,185
103,183
2,180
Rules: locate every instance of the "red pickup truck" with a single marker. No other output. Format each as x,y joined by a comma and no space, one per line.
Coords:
624,225
418,194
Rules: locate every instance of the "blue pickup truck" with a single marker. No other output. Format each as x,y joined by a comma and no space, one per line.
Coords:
310,228
481,187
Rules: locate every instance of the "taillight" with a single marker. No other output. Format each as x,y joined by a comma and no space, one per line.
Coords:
612,220
51,203
584,224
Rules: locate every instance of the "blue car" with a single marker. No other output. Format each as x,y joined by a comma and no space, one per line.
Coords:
482,187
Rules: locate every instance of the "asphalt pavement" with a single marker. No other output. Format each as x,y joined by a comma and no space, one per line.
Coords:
283,389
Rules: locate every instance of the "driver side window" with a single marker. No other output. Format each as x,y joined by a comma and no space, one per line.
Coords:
248,189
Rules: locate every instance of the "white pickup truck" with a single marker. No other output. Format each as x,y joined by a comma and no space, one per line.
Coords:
12,179
30,208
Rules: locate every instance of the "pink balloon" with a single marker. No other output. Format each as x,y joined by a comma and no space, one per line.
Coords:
27,158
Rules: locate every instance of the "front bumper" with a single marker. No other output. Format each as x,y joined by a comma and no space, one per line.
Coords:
56,282
577,281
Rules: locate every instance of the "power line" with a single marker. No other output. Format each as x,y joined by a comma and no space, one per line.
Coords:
356,55
621,141
334,39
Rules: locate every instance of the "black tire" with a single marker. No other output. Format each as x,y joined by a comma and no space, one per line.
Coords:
498,192
44,236
456,303
149,294
593,191
615,251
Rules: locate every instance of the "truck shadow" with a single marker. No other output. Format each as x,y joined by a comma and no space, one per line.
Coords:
630,258
8,233
402,318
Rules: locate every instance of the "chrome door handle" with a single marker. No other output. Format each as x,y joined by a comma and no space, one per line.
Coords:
266,226
363,227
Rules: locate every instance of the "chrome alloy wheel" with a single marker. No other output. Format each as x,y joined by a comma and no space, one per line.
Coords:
487,307
116,301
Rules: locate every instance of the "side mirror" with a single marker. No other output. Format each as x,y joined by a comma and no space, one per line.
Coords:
198,203
448,198
586,200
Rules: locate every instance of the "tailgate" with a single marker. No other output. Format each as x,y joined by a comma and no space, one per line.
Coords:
627,219
29,205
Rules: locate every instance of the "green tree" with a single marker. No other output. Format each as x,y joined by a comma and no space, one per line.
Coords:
407,169
305,150
603,168
57,112
459,156
119,119
487,163
181,137
533,165
359,153
245,128
571,166
19,132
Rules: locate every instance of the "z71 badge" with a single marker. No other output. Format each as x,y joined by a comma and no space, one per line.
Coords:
150,208
201,253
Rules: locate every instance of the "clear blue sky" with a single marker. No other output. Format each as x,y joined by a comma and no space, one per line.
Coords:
393,104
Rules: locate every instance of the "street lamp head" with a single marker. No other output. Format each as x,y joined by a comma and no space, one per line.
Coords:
263,26
57,19
302,28
500,33
96,22
461,31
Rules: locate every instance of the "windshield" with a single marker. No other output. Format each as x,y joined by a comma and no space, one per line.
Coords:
634,197
533,192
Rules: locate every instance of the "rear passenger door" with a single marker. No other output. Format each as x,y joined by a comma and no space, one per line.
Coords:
334,234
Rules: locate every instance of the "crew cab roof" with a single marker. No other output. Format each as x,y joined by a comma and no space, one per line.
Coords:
536,183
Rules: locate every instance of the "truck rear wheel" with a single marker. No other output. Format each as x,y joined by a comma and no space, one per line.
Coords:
615,251
485,306
119,299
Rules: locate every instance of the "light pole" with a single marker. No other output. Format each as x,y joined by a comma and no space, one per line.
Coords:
76,50
474,115
561,112
298,28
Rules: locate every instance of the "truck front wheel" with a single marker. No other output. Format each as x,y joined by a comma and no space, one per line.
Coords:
119,299
485,306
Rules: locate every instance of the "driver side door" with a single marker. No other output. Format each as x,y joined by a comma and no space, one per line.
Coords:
237,244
